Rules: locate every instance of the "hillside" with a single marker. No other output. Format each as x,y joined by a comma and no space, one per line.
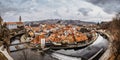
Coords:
54,21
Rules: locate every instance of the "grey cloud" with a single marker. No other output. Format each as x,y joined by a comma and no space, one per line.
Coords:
109,6
56,13
5,8
84,11
71,8
8,6
16,6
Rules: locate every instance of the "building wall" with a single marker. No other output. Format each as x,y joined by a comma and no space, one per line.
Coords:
12,26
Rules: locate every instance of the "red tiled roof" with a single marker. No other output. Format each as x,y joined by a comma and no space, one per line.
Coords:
14,23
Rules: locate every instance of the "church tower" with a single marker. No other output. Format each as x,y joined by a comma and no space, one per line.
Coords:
20,19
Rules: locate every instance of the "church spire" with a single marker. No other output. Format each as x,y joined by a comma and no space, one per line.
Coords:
20,19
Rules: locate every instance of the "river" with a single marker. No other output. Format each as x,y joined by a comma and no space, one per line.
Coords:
100,45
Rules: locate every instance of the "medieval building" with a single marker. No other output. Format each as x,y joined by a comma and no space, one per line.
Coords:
14,25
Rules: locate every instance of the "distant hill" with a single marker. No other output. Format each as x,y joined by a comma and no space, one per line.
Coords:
55,21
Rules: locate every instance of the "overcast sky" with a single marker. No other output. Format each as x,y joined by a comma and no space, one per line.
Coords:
85,10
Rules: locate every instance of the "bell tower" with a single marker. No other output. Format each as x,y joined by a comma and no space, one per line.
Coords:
20,19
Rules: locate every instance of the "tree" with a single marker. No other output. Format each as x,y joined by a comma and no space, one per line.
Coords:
115,30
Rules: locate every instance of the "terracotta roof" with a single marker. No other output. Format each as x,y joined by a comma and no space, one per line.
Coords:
14,23
36,28
19,22
10,22
63,33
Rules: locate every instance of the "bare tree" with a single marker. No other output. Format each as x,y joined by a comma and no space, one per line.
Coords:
115,30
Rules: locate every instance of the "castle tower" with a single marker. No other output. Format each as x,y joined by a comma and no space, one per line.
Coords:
20,19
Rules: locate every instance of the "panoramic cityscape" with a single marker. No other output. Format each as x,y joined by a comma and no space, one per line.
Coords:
59,30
